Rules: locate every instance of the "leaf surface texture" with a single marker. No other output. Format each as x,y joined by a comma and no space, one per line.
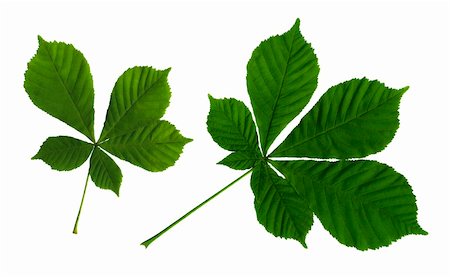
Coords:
279,208
231,125
351,120
281,78
154,147
364,204
58,81
141,95
105,173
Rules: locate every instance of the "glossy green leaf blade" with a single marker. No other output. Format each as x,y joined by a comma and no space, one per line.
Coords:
279,207
64,153
241,160
351,120
231,125
281,78
58,81
154,147
104,171
140,95
364,204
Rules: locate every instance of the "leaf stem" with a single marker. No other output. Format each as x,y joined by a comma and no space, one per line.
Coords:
75,227
152,239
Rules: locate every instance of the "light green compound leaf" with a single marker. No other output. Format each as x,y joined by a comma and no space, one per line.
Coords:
364,204
59,82
279,207
64,153
241,160
140,96
351,120
281,78
104,171
154,147
231,125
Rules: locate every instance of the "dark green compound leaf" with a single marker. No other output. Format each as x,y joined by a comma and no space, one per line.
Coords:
364,204
279,207
64,153
104,171
154,147
58,81
351,120
281,78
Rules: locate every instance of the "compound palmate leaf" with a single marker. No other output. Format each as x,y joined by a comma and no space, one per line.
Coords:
364,204
59,82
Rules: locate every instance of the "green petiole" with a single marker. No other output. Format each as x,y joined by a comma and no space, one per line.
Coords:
152,239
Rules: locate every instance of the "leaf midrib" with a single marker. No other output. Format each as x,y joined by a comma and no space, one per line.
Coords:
104,165
143,144
366,205
349,194
283,200
336,126
68,93
266,147
242,132
71,148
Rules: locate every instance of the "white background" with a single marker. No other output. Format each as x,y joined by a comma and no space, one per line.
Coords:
208,46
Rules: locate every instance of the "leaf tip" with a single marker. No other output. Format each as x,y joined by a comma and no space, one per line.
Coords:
167,70
420,231
40,39
116,189
186,140
296,26
404,89
303,243
211,98
221,162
